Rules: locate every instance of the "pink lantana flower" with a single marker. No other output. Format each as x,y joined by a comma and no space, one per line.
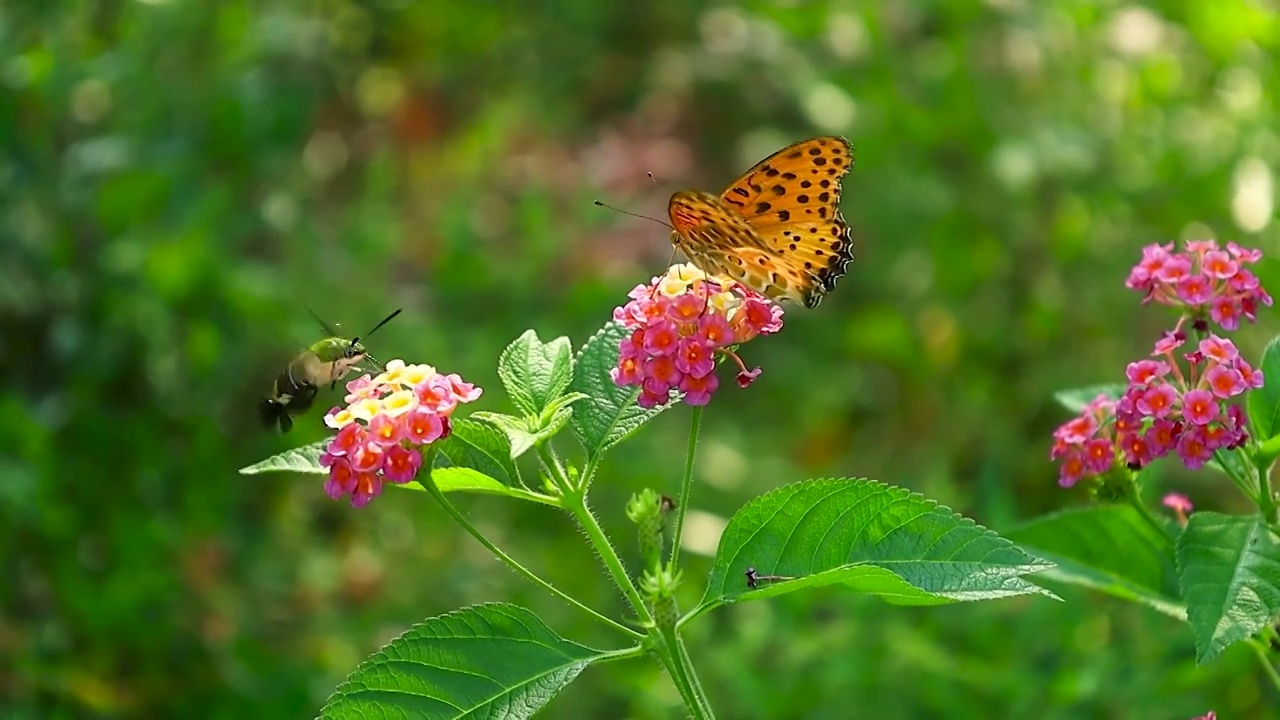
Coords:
1204,280
683,322
1173,404
389,419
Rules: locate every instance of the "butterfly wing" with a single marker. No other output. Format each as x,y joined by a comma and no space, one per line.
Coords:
791,200
720,241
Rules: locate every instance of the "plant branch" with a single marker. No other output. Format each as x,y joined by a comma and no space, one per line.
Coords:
430,484
686,485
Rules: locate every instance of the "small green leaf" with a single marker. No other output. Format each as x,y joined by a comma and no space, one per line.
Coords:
486,661
461,479
1108,548
304,459
535,373
609,413
1076,399
1230,571
480,446
870,537
1264,402
549,414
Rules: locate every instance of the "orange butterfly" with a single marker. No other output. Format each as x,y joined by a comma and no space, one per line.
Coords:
777,229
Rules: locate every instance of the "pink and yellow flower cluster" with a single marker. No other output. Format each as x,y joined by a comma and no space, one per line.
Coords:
680,324
1167,407
1203,278
387,420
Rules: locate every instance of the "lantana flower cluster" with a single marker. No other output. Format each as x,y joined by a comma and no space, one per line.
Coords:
1167,407
386,422
1202,279
681,323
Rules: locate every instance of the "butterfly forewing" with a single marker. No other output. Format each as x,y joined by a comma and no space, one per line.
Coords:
785,215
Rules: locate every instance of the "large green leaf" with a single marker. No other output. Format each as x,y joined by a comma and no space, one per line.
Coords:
609,413
1230,571
304,459
870,537
479,446
1264,402
1076,399
535,373
487,661
1107,548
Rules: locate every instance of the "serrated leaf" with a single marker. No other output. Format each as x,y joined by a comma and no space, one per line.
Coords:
533,372
304,459
487,661
609,413
869,537
479,446
1076,399
1264,402
1108,548
1229,566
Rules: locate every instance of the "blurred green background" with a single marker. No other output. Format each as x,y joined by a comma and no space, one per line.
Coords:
181,178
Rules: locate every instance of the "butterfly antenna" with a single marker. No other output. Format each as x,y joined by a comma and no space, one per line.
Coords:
654,179
642,217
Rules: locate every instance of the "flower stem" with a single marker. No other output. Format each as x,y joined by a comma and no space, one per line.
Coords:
686,485
1266,496
664,641
1261,649
430,484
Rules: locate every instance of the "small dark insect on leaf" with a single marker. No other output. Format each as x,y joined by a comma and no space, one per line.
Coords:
754,579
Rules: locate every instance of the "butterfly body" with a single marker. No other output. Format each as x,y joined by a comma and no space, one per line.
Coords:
777,229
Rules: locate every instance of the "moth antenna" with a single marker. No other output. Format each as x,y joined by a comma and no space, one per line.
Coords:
385,320
642,217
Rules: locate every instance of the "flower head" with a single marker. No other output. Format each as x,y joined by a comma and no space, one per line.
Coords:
1176,403
387,421
681,324
1203,280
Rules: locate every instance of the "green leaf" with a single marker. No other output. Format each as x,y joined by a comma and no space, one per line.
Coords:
1264,402
1230,571
524,433
1108,548
305,459
870,537
535,373
462,479
479,446
1076,399
609,413
486,661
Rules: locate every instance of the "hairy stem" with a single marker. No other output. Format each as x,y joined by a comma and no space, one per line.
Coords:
686,485
511,562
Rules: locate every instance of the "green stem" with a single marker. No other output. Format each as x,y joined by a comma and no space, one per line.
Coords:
1148,517
551,462
1266,496
1260,649
577,506
680,670
686,485
704,705
430,484
1243,483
